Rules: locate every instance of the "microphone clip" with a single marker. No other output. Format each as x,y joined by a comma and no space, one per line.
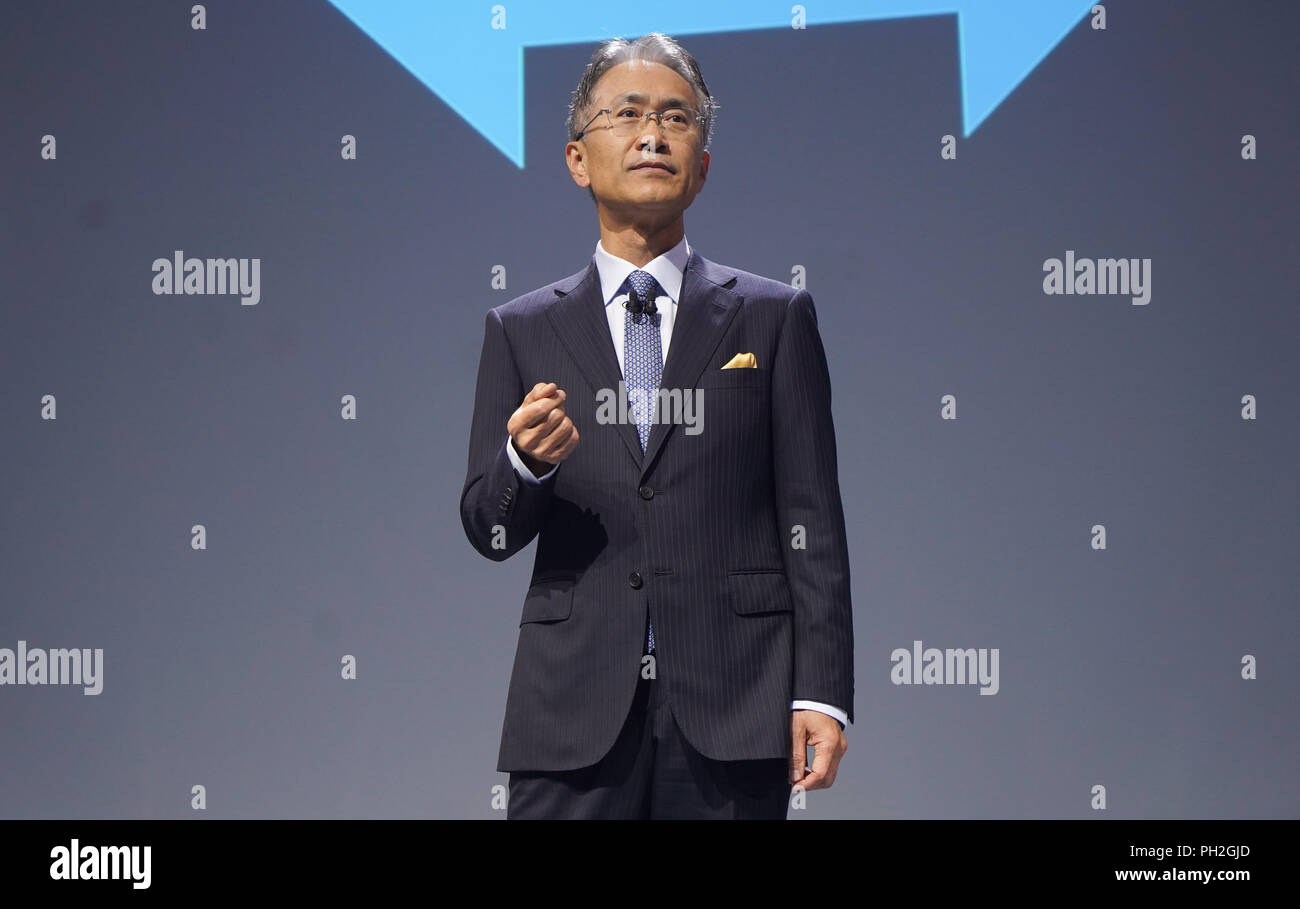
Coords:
636,306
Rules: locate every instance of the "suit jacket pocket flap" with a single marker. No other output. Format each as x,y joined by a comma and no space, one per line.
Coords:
548,600
753,592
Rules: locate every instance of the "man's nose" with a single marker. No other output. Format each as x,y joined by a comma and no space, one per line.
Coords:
655,135
657,132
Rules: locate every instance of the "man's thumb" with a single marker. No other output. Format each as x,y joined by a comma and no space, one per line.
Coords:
536,392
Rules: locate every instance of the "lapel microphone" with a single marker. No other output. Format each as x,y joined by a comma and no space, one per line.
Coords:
636,306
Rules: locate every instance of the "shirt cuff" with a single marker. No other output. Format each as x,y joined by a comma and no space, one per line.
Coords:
524,473
835,712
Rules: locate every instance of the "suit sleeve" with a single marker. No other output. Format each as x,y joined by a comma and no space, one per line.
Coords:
520,467
499,511
807,493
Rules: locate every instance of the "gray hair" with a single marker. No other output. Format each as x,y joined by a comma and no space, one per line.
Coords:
652,48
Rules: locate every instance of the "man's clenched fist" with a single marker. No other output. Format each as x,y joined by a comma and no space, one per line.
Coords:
542,433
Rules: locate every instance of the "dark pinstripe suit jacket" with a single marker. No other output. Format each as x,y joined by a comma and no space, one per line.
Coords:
698,530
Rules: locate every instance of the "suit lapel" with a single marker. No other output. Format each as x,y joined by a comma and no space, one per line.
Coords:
578,317
705,308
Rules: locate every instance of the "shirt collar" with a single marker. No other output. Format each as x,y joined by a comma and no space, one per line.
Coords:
666,268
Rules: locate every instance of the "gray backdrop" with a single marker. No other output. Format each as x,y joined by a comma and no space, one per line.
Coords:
1120,668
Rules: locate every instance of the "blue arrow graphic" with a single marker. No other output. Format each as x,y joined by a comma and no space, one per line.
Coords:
478,70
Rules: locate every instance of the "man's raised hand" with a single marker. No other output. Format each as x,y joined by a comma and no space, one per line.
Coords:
542,433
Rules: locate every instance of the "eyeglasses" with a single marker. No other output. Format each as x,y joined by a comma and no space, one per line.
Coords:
630,119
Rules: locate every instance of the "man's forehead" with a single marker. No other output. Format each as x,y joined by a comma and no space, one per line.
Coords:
636,97
640,82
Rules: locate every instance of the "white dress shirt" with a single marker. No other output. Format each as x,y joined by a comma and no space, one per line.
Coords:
667,270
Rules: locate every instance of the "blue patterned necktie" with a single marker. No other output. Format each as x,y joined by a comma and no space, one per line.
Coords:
643,365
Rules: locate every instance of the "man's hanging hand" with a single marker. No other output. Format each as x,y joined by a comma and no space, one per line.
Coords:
823,733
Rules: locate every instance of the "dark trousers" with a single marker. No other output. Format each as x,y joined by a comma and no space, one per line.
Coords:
652,772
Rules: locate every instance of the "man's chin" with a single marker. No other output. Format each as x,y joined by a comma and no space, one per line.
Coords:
650,200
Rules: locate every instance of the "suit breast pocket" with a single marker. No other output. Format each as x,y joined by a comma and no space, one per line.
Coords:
732,425
736,377
549,599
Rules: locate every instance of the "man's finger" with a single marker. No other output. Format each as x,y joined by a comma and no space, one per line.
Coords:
540,433
567,448
555,419
539,409
821,763
540,390
532,413
833,766
551,444
798,751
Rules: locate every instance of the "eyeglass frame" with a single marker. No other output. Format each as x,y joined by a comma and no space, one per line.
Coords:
657,114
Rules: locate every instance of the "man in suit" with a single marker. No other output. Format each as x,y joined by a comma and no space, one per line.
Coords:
661,424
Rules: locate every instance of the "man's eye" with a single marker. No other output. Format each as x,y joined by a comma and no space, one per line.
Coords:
630,110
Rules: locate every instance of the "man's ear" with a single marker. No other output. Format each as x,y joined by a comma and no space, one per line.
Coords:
704,167
576,161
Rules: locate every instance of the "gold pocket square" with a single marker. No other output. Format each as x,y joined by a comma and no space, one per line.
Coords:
741,361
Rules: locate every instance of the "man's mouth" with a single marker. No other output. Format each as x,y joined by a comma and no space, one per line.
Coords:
654,164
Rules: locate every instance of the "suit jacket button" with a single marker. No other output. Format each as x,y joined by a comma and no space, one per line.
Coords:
634,581
646,493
